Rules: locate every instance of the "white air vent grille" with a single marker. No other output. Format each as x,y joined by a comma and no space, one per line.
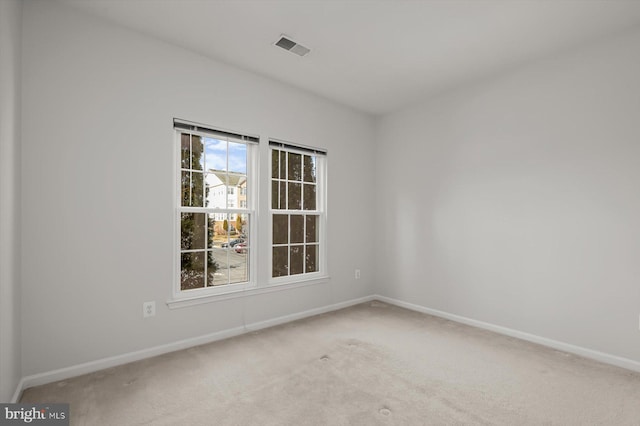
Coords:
290,45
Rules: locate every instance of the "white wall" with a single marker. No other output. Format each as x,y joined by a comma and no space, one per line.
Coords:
10,37
513,201
97,183
516,201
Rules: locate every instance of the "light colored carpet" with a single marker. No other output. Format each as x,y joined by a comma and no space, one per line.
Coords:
371,364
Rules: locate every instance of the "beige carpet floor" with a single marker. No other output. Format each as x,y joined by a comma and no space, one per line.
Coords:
371,364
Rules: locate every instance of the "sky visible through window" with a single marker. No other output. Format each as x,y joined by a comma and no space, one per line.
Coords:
216,156
216,169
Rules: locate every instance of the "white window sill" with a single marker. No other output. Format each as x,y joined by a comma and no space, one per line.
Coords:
184,302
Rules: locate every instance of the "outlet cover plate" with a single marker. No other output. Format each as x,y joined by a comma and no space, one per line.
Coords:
148,309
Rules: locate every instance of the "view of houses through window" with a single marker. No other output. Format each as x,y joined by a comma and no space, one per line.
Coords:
214,219
216,210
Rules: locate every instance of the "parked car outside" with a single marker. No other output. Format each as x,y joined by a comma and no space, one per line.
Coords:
232,243
241,248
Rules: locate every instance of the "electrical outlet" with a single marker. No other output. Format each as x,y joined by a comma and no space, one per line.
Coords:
357,274
148,309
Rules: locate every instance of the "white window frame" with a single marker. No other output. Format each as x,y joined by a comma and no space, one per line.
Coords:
321,210
180,295
260,222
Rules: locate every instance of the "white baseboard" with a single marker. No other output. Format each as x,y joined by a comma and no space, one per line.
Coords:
92,366
566,347
101,364
18,393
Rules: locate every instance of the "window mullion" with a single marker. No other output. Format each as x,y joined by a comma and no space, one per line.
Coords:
204,174
288,245
304,243
190,188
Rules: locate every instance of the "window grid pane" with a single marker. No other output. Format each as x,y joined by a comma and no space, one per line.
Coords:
295,237
311,258
295,244
206,183
192,270
293,181
280,261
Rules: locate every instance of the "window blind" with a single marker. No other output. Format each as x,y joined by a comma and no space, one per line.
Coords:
305,149
194,127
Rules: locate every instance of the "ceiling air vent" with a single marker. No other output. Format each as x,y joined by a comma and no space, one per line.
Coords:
292,46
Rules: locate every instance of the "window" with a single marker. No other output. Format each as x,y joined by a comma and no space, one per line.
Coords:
297,211
216,215
210,224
